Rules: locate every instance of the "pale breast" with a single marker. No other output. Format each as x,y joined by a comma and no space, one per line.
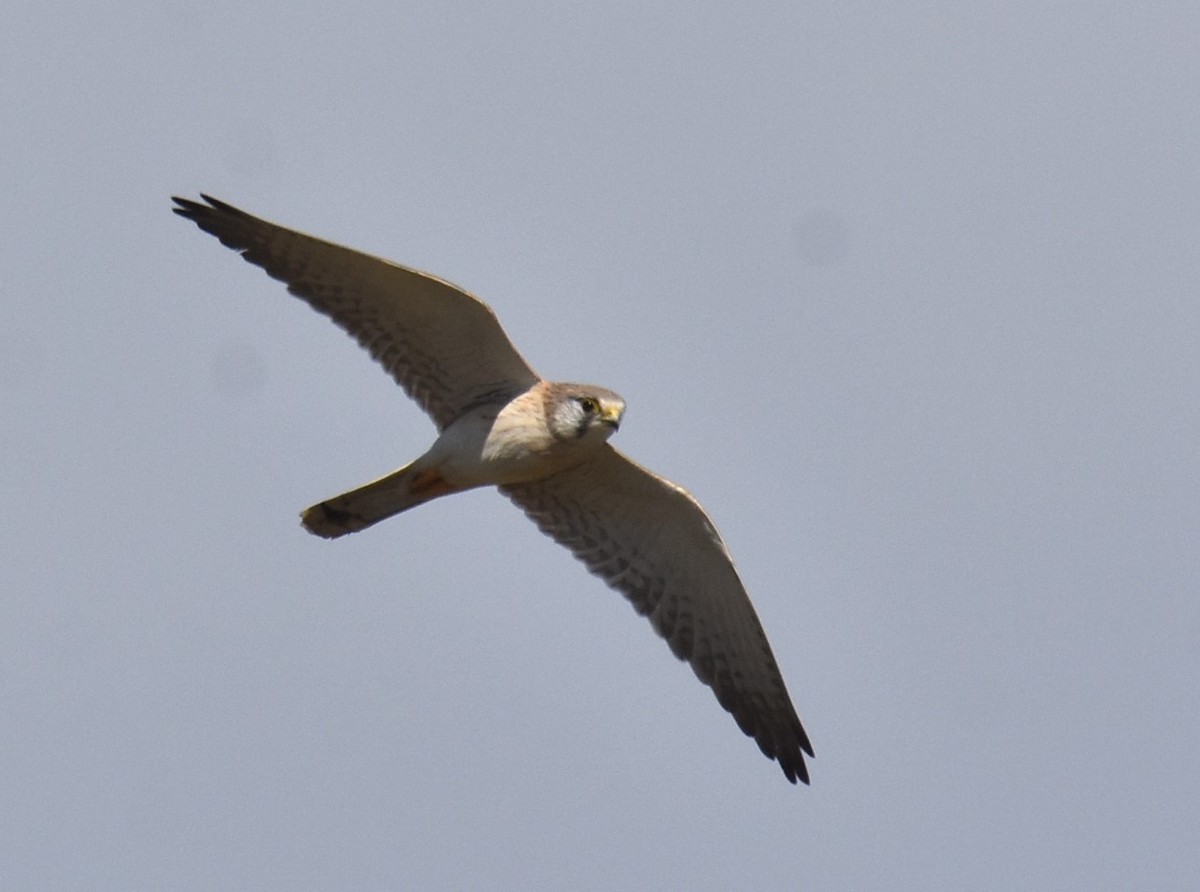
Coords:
513,445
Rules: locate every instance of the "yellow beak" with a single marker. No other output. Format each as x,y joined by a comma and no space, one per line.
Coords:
611,415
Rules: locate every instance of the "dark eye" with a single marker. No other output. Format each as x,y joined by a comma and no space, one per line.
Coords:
589,405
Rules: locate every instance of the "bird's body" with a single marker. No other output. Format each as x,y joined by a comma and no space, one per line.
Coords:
496,444
545,446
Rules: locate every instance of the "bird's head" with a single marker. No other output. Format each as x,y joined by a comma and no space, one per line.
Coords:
581,411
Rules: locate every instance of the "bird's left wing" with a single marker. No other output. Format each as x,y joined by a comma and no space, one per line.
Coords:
442,345
650,540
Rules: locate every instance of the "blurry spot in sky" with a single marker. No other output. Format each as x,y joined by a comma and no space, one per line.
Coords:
822,237
251,150
21,362
237,368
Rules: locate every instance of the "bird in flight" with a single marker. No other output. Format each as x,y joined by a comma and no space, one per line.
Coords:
544,445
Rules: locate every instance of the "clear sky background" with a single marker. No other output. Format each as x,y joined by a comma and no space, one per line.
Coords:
907,294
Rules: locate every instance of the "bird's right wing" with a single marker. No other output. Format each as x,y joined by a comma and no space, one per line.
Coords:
650,540
443,346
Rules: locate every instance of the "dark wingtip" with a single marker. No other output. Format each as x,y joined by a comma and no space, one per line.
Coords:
232,226
797,772
194,209
800,767
187,208
789,751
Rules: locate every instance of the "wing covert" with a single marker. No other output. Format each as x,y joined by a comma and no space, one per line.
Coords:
443,346
650,540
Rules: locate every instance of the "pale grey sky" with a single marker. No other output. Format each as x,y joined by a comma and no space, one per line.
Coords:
906,294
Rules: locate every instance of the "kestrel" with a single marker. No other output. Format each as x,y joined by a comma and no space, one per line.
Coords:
542,444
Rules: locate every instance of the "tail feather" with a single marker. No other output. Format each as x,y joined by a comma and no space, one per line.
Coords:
378,500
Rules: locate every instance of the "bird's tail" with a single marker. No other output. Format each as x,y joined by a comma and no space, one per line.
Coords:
380,499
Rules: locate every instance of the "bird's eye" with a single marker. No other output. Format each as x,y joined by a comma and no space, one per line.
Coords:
589,405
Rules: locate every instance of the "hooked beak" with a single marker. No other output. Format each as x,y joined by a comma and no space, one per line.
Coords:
611,415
